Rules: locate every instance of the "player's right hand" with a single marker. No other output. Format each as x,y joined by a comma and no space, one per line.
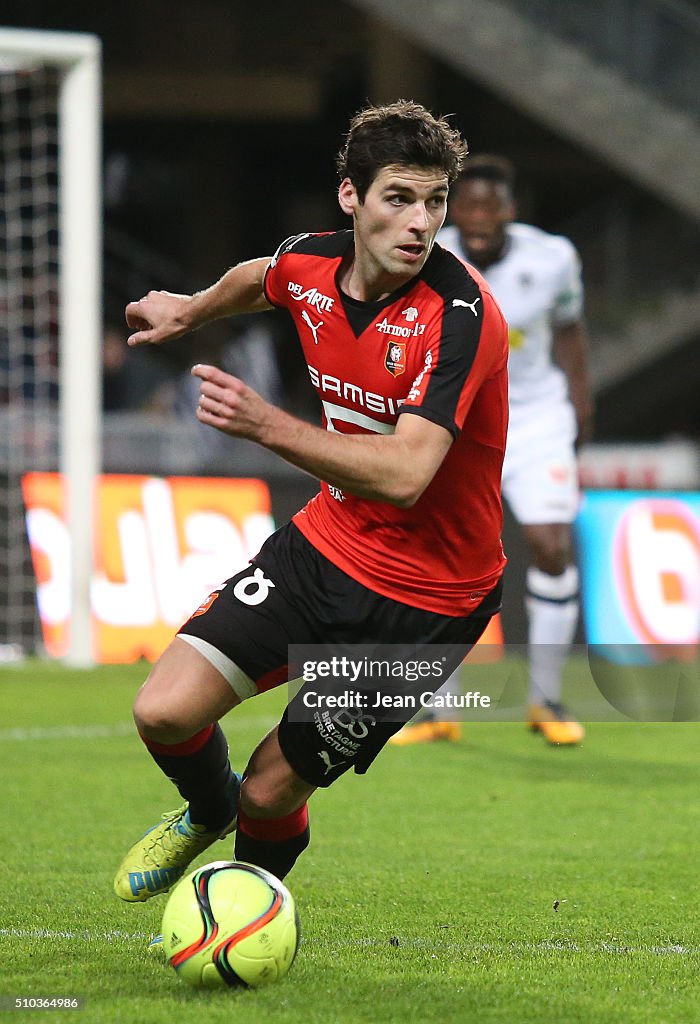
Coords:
158,317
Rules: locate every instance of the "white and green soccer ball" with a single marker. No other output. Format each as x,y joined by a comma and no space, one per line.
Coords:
230,924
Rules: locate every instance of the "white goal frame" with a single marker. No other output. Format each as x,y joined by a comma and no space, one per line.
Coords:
78,57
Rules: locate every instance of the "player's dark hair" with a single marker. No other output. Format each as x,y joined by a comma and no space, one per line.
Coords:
404,133
489,167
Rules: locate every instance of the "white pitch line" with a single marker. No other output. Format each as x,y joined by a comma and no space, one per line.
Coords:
66,732
89,732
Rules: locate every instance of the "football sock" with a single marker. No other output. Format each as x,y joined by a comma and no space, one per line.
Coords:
201,770
273,843
552,608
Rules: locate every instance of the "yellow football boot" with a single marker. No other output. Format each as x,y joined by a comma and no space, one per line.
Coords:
160,857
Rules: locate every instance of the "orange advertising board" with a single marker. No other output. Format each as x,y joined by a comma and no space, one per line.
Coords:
161,546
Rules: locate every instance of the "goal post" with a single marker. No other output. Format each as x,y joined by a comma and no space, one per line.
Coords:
75,61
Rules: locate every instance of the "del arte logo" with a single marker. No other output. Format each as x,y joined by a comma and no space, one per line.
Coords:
312,296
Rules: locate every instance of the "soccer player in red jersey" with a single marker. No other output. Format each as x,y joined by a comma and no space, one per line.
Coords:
407,351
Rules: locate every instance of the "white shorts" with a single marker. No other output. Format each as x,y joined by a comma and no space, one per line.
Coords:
540,479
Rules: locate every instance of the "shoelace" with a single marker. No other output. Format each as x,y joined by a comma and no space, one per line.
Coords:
168,839
174,815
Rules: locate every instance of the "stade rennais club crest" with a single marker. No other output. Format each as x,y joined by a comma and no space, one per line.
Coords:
395,357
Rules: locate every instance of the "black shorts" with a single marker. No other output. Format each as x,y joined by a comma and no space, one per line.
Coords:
290,594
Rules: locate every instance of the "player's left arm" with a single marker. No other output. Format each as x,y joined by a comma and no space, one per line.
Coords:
395,468
570,352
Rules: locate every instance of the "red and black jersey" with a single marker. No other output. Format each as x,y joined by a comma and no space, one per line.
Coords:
438,348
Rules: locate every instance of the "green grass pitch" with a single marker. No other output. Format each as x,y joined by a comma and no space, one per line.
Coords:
428,892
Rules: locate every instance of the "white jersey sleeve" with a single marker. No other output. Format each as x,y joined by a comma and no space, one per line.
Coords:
537,283
568,302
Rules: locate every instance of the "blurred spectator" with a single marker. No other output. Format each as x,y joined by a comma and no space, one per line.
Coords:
251,355
114,373
133,378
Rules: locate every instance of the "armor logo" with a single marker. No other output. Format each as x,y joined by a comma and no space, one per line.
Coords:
399,331
411,314
657,569
395,358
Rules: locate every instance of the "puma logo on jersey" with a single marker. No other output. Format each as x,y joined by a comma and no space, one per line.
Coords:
469,305
314,327
326,758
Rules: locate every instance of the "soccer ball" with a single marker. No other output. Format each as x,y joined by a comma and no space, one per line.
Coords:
230,923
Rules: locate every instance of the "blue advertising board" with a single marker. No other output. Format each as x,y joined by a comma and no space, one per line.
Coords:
639,554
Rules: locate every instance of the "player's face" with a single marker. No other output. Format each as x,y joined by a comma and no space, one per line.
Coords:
481,210
396,224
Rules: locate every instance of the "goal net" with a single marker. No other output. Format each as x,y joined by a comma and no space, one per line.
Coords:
50,336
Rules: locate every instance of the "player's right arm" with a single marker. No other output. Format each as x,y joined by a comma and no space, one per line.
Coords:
162,316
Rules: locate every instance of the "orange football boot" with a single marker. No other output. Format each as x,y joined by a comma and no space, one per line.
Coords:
427,732
556,724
